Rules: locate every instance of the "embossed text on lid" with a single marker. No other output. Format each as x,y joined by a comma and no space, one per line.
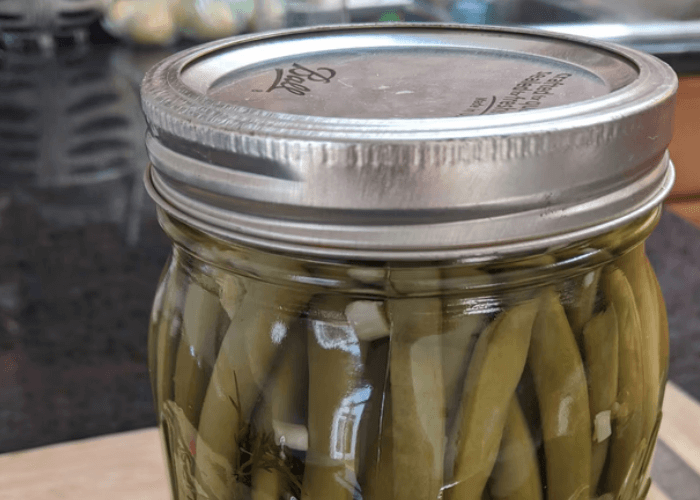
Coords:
421,75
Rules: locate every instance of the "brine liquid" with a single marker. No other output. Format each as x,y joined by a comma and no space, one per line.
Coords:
273,391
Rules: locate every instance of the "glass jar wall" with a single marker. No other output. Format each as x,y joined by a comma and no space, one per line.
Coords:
541,376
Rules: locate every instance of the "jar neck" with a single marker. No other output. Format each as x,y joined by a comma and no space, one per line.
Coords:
419,278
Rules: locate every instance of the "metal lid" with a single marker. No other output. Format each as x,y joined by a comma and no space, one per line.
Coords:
409,141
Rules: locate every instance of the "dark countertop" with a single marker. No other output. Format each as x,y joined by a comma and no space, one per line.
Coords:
81,251
674,252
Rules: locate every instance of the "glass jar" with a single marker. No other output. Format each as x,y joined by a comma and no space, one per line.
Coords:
377,296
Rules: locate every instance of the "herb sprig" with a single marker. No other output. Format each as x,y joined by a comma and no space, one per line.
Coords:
259,450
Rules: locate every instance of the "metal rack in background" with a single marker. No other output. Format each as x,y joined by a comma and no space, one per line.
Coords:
39,22
71,138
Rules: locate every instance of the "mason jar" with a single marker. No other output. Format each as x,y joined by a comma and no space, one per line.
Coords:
408,263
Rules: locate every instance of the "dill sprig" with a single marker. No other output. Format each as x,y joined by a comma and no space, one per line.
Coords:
258,449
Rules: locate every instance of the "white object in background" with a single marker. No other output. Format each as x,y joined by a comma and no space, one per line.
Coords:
210,19
160,22
149,22
269,15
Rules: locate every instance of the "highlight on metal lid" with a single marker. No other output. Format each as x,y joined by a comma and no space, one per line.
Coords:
409,141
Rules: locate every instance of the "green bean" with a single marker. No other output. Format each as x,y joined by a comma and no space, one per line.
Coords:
622,237
459,337
180,432
560,383
648,454
244,361
196,354
579,309
458,340
282,408
374,413
231,292
516,475
418,400
266,485
163,345
167,449
335,393
156,329
636,269
162,335
663,337
601,348
627,432
406,282
460,328
527,397
494,370
380,468
288,389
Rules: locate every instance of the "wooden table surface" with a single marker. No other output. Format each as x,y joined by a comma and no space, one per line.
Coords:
129,466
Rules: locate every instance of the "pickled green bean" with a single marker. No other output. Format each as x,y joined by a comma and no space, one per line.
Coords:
374,414
663,336
163,344
627,431
461,326
560,383
266,485
244,361
231,293
516,475
458,340
335,393
162,333
580,309
380,467
286,393
494,370
284,398
635,267
601,348
418,398
460,329
180,432
156,328
201,316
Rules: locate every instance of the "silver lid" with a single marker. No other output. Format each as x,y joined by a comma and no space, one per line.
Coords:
409,141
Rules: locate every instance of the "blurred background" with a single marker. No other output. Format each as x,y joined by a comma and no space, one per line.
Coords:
80,249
